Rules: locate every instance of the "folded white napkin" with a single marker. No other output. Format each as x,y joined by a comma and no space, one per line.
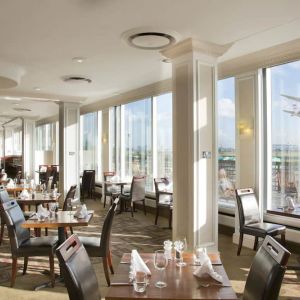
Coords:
24,195
81,211
10,183
42,212
137,263
206,268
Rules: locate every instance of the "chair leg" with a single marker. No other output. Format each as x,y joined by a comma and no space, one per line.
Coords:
104,201
170,218
156,216
14,271
240,244
52,274
131,209
71,229
2,231
46,231
105,267
25,265
144,207
109,259
255,243
283,239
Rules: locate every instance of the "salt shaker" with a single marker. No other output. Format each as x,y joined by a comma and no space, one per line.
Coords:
168,249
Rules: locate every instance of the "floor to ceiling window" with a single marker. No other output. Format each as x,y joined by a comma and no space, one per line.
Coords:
226,141
90,133
283,110
142,138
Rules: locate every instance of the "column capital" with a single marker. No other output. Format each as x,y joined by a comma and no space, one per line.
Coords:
192,45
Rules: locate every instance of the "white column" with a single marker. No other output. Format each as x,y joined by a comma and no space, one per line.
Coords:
69,138
28,141
195,213
246,156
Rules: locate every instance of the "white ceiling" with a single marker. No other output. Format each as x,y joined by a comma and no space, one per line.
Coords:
43,36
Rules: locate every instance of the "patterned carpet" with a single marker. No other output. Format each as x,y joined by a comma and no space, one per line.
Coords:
128,233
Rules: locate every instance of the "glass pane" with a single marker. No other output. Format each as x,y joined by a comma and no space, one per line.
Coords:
137,140
226,139
112,139
285,119
89,138
163,136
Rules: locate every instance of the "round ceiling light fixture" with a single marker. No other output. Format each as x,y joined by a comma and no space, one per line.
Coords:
149,38
76,79
10,75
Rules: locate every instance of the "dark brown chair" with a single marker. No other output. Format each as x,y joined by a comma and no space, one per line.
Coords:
69,197
22,245
77,270
163,199
137,193
100,247
267,271
250,221
111,192
4,197
88,183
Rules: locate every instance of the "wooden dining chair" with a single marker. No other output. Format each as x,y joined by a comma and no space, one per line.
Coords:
100,247
137,193
250,221
163,199
22,245
266,271
77,270
88,183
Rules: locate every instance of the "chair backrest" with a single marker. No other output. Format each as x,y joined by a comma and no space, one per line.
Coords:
88,179
267,271
106,229
4,197
70,195
106,177
77,270
160,184
14,218
137,190
247,207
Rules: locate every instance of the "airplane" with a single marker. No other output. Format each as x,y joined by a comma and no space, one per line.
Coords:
296,111
293,113
291,97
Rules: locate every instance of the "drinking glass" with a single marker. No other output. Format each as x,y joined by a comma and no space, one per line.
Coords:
160,263
140,282
180,245
52,209
69,206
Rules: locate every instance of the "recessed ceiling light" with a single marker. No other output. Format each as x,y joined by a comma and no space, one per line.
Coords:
79,59
11,98
16,103
37,88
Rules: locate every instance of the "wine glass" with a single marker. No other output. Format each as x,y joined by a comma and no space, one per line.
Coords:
69,206
160,263
180,245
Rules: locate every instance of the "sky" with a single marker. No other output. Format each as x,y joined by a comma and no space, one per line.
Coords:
226,113
285,79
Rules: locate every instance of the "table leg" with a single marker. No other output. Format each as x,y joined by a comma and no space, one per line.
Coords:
58,278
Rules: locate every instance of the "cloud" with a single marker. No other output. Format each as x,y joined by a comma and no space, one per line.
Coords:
226,108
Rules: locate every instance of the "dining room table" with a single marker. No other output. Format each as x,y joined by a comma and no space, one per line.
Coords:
181,283
61,220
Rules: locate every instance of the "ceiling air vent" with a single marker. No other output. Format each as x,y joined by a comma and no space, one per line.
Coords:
76,79
149,38
21,109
